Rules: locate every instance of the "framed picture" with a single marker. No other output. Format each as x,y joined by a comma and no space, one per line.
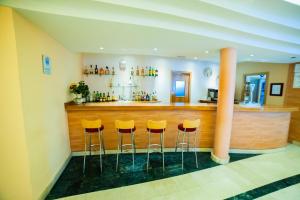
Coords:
276,89
46,64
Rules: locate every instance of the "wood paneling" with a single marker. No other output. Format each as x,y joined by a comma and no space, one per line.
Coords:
292,98
140,117
257,129
264,130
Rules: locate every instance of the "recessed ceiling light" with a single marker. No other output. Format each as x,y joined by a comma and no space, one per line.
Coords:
206,51
155,49
251,55
195,58
101,48
293,57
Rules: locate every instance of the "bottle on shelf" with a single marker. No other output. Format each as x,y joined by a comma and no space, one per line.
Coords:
137,72
91,71
131,72
96,69
86,70
113,96
108,97
106,70
101,72
103,97
156,72
146,71
142,72
97,97
100,97
113,71
147,97
150,71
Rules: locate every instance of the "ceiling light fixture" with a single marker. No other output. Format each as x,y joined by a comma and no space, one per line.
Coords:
206,51
101,48
195,58
155,49
251,55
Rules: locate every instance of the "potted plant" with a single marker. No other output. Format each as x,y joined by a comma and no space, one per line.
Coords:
80,90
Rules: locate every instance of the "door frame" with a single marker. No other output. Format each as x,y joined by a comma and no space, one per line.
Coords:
189,86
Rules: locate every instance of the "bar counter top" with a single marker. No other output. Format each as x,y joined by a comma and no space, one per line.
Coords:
130,105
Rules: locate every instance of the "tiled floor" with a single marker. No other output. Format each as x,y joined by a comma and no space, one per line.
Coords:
214,183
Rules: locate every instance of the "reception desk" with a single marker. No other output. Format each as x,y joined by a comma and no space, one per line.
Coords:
253,128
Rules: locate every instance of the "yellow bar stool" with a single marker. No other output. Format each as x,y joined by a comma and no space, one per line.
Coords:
185,129
125,127
92,128
156,127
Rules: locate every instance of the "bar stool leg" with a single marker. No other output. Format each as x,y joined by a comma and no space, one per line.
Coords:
149,143
182,158
162,149
119,142
84,153
133,148
178,134
102,142
195,142
188,142
100,150
90,144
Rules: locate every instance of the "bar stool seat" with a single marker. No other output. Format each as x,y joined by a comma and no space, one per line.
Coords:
156,130
122,130
94,130
180,127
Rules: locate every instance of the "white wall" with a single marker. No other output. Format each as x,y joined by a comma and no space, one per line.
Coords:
162,83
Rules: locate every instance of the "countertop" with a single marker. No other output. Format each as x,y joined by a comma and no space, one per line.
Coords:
130,105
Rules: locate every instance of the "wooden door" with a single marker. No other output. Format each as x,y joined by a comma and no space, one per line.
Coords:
180,91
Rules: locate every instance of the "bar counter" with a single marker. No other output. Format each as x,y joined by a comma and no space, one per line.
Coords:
254,128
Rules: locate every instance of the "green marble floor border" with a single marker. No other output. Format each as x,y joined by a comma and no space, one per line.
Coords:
266,189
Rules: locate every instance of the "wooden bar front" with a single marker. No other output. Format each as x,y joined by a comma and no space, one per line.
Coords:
253,128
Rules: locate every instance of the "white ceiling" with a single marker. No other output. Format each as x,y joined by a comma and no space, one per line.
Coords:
268,29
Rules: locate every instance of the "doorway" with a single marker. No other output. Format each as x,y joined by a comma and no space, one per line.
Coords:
180,91
258,86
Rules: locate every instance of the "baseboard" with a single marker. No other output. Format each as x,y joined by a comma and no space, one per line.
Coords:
296,142
245,151
57,175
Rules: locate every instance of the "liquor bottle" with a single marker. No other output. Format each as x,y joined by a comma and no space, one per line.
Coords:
104,98
108,97
147,97
100,97
96,69
132,72
101,71
106,70
146,71
137,71
113,71
142,72
113,96
86,70
156,72
97,97
91,69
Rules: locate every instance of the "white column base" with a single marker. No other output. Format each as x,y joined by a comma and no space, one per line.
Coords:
219,160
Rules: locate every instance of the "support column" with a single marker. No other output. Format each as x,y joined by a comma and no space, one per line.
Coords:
225,106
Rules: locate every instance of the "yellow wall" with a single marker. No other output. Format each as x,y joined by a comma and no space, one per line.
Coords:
278,73
34,135
14,163
43,98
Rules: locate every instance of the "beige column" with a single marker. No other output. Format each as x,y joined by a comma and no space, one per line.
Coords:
225,106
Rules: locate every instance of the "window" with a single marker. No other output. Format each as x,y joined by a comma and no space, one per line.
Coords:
180,88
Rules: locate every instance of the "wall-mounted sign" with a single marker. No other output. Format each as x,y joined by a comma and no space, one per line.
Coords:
296,82
276,89
46,64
